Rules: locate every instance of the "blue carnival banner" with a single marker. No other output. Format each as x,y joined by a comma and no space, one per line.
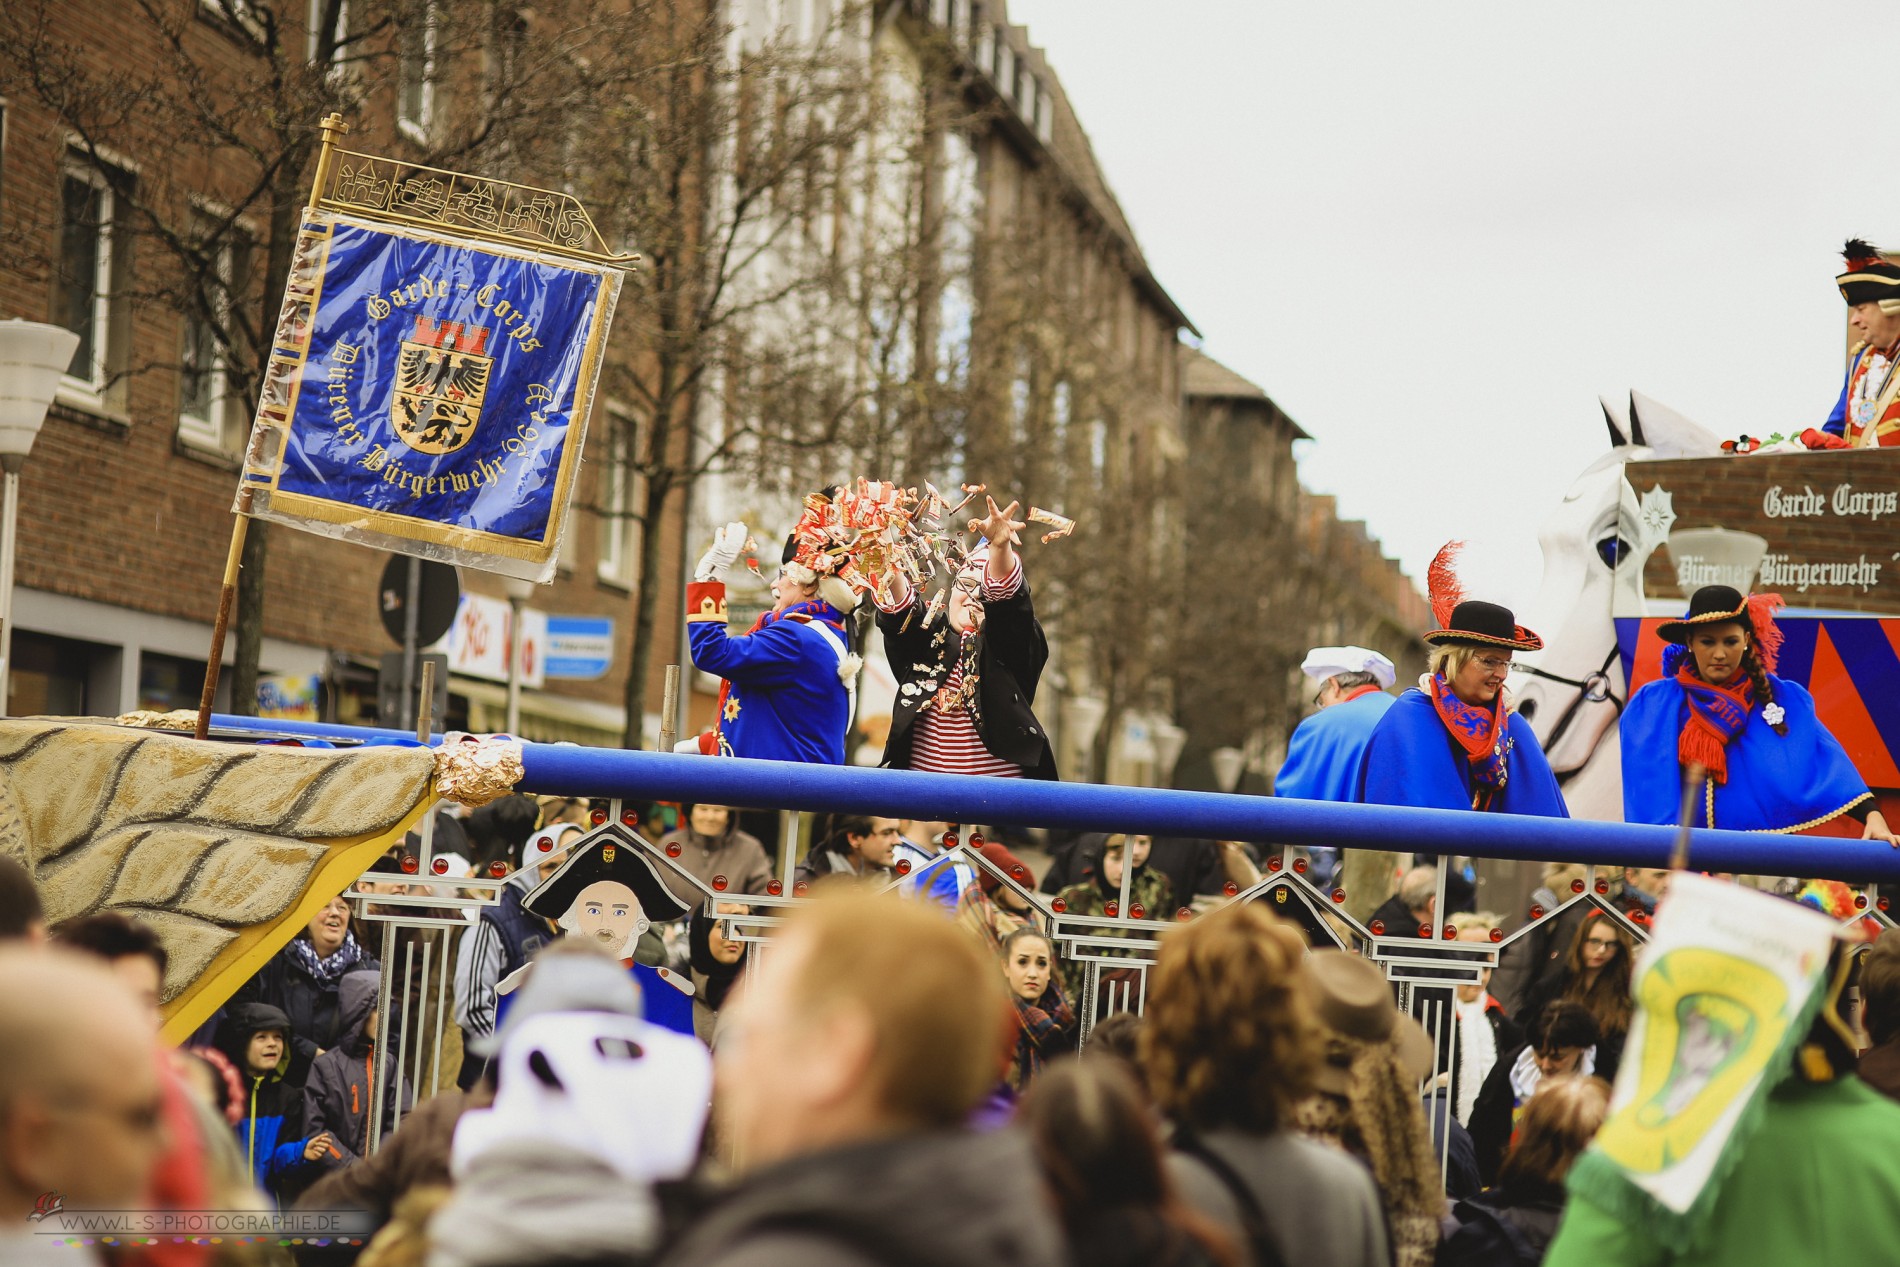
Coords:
429,394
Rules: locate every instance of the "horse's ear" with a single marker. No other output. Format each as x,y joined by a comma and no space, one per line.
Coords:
1619,434
1668,433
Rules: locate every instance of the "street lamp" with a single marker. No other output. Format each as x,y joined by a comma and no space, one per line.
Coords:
1228,764
519,592
32,357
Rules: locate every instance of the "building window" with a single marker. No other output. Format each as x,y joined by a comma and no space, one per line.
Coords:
416,75
619,487
241,14
315,22
83,292
3,160
209,411
51,677
167,682
1005,72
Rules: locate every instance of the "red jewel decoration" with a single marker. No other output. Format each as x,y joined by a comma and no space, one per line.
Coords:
629,819
1450,933
673,849
800,889
1274,863
1114,909
719,883
1378,928
1299,865
1537,912
1019,872
774,887
598,817
1603,886
976,840
1576,886
440,866
1425,930
1339,895
1230,888
1860,901
498,869
1185,913
409,864
950,839
1137,910
544,844
903,866
1881,903
1058,906
1497,934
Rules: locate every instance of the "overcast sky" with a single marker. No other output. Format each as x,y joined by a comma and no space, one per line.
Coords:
1435,233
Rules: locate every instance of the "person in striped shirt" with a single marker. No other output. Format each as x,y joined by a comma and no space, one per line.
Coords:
966,684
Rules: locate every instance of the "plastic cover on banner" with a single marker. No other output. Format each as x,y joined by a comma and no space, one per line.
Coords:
429,394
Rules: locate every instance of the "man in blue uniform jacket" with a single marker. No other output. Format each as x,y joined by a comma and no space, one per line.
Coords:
1322,757
787,689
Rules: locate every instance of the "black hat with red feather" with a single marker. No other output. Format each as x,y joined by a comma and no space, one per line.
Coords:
1870,276
1467,621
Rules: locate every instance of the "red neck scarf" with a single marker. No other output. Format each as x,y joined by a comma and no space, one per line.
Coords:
1357,691
1482,735
1716,715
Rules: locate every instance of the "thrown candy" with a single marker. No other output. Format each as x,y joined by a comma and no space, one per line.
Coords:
1059,525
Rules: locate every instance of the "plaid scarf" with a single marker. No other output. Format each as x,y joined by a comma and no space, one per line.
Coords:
1482,734
329,968
1036,1024
1716,715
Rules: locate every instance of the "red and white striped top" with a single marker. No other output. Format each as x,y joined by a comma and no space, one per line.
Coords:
946,740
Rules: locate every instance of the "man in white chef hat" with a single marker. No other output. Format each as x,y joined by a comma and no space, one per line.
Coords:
1322,757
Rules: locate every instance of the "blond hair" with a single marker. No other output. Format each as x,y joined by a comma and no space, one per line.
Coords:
1229,1037
1449,659
1465,921
936,1004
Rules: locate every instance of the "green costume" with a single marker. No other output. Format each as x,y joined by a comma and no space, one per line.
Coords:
1817,1182
1148,889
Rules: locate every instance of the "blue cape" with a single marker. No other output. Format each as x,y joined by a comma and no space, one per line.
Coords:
1775,782
1413,760
1322,757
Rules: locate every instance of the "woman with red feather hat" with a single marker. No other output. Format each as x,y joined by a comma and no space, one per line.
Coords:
1454,742
1771,765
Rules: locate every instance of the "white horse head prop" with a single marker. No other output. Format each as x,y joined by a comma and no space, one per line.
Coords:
1596,541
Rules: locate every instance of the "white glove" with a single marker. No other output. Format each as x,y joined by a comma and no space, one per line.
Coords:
688,747
727,545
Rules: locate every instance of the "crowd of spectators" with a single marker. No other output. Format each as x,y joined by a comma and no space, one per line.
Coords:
894,1080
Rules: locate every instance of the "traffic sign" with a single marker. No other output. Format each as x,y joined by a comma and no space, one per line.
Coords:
435,612
580,646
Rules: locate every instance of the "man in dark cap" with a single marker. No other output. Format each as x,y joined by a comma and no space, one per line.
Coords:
608,893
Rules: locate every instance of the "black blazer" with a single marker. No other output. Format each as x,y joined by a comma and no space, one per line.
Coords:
1011,652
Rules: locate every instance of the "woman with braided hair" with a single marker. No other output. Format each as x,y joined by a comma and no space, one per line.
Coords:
1771,765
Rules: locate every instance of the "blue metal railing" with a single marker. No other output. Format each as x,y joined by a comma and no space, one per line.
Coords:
777,785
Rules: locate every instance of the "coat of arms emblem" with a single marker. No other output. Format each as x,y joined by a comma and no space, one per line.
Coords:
441,379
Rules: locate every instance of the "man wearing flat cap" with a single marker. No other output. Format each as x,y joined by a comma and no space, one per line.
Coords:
608,893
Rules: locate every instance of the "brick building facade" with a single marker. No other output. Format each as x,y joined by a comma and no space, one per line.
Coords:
125,501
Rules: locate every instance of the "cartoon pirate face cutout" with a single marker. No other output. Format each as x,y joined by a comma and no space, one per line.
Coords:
607,893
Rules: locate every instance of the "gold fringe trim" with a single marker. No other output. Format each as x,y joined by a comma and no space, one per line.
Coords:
1709,815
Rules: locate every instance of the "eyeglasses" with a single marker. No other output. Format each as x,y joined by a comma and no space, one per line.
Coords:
1602,943
1491,664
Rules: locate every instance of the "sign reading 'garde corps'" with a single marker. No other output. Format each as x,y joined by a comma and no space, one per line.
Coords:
428,393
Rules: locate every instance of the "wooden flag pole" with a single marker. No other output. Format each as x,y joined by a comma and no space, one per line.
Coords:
332,128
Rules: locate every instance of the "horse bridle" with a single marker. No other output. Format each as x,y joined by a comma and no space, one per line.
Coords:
1594,689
